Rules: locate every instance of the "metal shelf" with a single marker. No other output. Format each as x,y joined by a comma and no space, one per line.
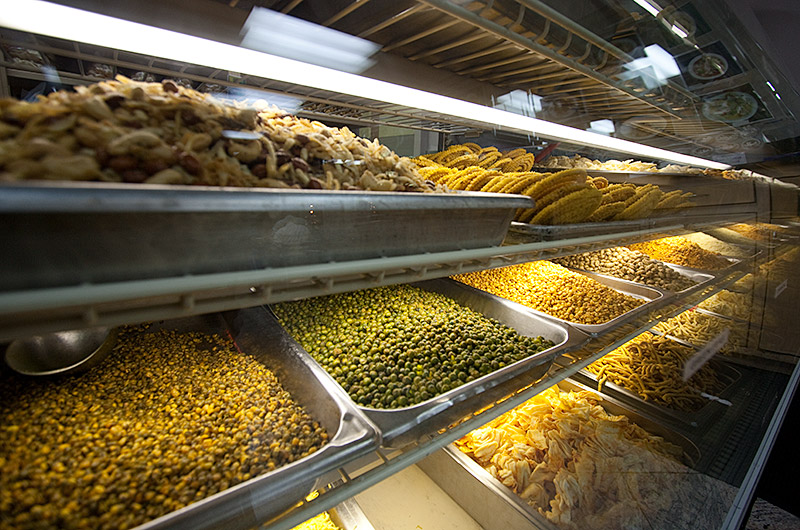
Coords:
365,473
36,311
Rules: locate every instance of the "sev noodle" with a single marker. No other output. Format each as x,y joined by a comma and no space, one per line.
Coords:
652,367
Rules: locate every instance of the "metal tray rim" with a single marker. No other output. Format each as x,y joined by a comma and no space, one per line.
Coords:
95,197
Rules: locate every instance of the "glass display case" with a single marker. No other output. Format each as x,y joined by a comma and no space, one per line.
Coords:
226,190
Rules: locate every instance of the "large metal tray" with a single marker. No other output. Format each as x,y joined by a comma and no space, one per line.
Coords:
651,295
702,416
494,505
60,234
266,496
699,277
401,426
348,515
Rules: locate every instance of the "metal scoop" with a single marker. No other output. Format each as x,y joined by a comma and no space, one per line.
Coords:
62,352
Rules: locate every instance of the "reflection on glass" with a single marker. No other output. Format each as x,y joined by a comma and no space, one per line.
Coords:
272,32
654,69
602,127
519,102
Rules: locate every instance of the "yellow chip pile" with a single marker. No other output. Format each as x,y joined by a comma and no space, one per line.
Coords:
579,466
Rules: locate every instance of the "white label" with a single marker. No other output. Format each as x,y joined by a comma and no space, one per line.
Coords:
707,352
717,399
779,289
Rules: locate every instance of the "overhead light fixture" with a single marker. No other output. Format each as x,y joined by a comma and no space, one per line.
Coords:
53,20
651,7
602,127
680,32
279,34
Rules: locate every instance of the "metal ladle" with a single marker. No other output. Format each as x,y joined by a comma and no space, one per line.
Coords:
62,352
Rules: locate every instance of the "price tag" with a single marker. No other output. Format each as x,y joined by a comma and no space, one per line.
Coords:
782,287
707,352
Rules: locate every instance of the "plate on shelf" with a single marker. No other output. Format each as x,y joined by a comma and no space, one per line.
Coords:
708,66
730,107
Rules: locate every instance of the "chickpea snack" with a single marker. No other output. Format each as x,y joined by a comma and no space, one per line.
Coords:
168,419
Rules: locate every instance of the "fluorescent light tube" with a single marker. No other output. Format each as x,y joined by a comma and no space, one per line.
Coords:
678,31
72,24
648,6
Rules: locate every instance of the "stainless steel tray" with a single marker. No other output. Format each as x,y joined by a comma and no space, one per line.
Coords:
263,497
348,515
652,296
401,426
699,277
727,373
59,234
494,505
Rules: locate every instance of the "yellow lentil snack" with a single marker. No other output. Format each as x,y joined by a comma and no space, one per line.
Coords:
168,419
681,251
555,290
652,367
